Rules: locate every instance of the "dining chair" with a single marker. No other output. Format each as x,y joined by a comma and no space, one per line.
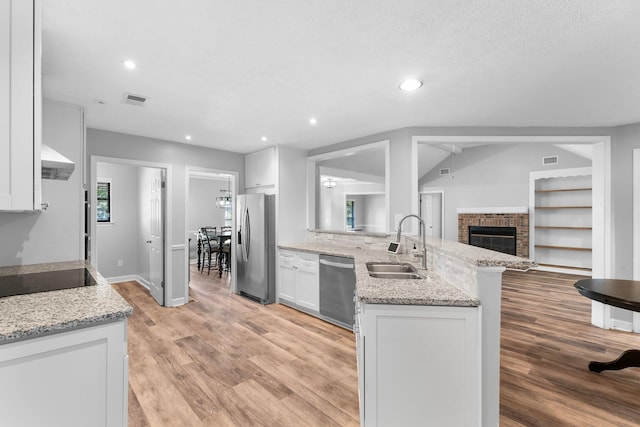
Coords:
225,250
209,245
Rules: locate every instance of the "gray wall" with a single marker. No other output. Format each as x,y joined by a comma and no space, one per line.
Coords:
119,240
55,234
118,145
626,139
492,176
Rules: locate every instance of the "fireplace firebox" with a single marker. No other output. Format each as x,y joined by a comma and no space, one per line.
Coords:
501,239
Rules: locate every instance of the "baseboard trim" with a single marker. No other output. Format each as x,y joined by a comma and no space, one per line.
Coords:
177,301
143,282
118,279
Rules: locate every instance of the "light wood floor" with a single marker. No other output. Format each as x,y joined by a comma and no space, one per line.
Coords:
224,360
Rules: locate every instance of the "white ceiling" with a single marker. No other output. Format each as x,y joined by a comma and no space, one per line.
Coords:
229,72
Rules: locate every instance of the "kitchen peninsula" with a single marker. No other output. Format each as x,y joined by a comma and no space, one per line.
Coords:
63,353
428,349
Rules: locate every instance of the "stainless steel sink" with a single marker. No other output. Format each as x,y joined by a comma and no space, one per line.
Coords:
383,275
384,270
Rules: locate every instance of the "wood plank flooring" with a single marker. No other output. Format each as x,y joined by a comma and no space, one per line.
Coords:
223,360
547,341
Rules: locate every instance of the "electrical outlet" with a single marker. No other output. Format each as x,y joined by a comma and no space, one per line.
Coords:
120,263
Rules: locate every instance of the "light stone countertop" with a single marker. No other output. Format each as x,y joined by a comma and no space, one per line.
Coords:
432,290
479,257
44,313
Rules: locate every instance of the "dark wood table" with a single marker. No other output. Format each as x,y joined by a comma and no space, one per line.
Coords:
220,237
618,293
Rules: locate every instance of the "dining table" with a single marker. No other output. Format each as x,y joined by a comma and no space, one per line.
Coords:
618,293
221,237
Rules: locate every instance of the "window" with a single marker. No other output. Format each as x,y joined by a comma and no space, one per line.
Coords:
350,214
103,204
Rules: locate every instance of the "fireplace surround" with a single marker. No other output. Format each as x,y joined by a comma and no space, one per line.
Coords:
516,218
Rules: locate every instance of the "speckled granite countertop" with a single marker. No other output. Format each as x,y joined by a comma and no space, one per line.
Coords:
432,290
43,313
478,256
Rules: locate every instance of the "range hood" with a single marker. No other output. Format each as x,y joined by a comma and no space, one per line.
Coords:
54,164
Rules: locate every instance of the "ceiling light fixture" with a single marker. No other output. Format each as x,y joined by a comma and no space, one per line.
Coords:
188,137
313,121
224,202
264,139
329,183
129,64
410,84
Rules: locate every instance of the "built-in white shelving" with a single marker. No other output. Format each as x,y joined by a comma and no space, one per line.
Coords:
561,229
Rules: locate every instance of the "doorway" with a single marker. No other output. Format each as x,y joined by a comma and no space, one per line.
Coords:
129,223
432,212
203,187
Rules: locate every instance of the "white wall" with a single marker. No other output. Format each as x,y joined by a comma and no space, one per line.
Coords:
119,239
55,234
492,176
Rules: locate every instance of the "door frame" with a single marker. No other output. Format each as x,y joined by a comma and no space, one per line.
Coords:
166,211
442,218
195,172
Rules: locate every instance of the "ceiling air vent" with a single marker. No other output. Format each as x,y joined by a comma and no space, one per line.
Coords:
137,100
550,160
445,171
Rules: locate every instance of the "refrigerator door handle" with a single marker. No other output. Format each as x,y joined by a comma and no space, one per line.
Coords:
247,235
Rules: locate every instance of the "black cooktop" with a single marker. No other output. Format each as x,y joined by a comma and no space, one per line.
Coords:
29,283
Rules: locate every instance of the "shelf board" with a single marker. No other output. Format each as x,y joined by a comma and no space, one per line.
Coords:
563,207
569,248
564,266
564,189
560,227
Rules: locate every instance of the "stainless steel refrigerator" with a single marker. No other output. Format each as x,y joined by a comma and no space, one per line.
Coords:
255,247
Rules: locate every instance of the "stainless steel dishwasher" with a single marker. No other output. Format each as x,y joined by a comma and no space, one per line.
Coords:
337,285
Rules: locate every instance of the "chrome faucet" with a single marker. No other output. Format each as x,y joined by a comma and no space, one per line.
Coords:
422,232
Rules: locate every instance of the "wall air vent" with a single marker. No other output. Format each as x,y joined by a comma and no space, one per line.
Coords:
550,160
137,100
445,171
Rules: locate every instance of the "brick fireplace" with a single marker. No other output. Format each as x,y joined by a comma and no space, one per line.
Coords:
517,218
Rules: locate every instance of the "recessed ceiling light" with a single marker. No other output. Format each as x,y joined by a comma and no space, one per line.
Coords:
264,139
313,121
187,137
129,64
410,84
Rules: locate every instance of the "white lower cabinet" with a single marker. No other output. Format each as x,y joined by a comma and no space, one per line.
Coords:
76,378
298,279
418,365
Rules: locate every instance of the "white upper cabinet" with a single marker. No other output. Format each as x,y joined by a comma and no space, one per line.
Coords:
20,105
260,169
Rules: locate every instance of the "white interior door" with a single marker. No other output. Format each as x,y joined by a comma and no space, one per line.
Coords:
156,240
431,213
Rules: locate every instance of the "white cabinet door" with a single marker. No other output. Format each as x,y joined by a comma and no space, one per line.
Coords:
298,279
259,169
308,282
422,366
76,378
20,105
287,276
